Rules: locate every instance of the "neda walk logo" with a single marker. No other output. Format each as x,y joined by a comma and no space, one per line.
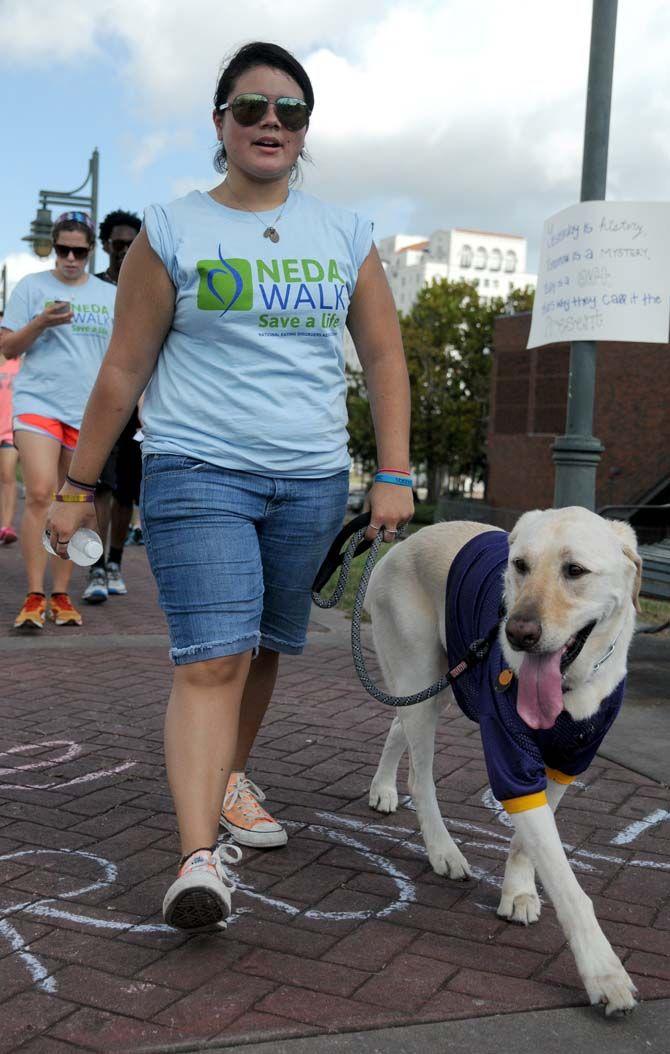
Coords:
287,289
225,285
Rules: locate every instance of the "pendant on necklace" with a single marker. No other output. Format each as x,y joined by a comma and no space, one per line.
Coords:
271,233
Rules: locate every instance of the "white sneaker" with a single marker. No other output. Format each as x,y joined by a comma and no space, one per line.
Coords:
115,584
199,898
96,590
246,819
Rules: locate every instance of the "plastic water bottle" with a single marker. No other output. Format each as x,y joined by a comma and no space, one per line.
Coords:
84,547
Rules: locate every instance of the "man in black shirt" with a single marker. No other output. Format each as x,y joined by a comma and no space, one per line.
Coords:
119,485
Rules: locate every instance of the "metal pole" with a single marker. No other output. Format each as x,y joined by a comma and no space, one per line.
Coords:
577,454
94,166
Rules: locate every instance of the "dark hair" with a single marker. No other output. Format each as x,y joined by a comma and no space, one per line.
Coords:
248,57
73,225
118,218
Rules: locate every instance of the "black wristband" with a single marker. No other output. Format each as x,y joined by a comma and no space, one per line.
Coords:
77,483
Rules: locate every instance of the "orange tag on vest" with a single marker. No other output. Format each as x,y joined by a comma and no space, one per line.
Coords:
505,678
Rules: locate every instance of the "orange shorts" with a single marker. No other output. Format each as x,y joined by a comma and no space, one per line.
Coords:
64,434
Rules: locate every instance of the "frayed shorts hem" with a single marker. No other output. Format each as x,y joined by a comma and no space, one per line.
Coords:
284,647
214,649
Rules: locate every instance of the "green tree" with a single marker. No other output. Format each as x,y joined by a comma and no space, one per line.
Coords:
447,337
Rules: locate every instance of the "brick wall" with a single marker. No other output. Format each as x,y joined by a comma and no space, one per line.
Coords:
528,402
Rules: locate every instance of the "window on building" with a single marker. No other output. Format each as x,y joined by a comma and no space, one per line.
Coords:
466,256
486,282
510,260
481,258
495,260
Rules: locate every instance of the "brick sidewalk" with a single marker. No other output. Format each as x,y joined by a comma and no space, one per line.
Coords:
346,928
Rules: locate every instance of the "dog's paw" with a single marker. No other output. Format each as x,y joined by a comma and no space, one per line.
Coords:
615,990
383,797
519,907
449,861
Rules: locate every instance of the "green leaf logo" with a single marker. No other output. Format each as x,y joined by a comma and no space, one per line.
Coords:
225,285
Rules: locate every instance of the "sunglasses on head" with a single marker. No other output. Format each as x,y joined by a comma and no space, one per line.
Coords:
250,107
80,252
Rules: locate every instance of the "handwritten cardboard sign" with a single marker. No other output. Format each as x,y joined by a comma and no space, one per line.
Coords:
604,274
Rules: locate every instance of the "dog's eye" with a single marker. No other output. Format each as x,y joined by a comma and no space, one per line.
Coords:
520,565
575,571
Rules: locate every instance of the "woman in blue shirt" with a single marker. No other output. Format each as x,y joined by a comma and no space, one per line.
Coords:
230,311
59,321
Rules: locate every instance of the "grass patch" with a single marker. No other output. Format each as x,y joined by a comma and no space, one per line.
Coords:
655,611
346,604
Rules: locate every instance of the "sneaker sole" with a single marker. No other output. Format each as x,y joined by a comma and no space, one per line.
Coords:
255,839
63,622
196,910
117,592
197,905
30,626
94,600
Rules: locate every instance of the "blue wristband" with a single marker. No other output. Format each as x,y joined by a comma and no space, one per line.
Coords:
398,481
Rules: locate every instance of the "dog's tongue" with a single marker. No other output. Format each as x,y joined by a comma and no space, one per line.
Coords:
539,698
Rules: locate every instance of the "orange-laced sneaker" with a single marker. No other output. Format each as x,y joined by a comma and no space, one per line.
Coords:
62,611
31,615
244,816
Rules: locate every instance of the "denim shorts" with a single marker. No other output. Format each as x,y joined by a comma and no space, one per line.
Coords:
234,554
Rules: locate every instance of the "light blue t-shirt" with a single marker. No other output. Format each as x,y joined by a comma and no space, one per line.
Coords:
251,375
60,368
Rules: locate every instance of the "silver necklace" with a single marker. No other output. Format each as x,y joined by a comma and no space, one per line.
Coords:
270,232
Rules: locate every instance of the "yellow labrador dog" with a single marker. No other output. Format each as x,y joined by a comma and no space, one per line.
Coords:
563,588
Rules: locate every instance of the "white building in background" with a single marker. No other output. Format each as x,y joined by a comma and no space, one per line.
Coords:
495,263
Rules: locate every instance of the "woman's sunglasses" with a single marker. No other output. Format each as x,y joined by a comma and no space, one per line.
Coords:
250,107
80,252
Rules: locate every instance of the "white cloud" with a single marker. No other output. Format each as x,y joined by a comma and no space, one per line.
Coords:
470,111
20,264
152,146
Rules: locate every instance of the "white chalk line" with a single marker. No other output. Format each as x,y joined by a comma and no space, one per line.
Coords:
73,750
48,907
638,827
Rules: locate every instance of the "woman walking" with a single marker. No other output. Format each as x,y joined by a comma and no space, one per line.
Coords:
231,309
59,322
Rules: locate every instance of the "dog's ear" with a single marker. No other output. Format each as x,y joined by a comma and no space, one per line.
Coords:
626,534
634,556
523,521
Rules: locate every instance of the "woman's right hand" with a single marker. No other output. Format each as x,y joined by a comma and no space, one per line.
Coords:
66,517
53,315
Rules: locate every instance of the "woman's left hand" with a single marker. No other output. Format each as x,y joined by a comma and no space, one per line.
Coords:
390,506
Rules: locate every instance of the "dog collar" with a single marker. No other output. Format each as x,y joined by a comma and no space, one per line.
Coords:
605,657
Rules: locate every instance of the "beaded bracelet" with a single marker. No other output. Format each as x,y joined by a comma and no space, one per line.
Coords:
73,497
398,481
79,484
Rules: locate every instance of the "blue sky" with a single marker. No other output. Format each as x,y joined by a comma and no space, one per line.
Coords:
429,114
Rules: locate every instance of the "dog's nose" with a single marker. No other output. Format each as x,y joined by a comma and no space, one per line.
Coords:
523,633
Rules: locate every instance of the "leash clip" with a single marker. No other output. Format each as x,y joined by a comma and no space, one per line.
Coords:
478,651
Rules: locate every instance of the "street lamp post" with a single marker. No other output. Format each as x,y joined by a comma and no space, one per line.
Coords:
577,454
40,228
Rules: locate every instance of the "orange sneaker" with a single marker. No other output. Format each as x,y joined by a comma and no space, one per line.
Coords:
62,611
31,615
245,818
